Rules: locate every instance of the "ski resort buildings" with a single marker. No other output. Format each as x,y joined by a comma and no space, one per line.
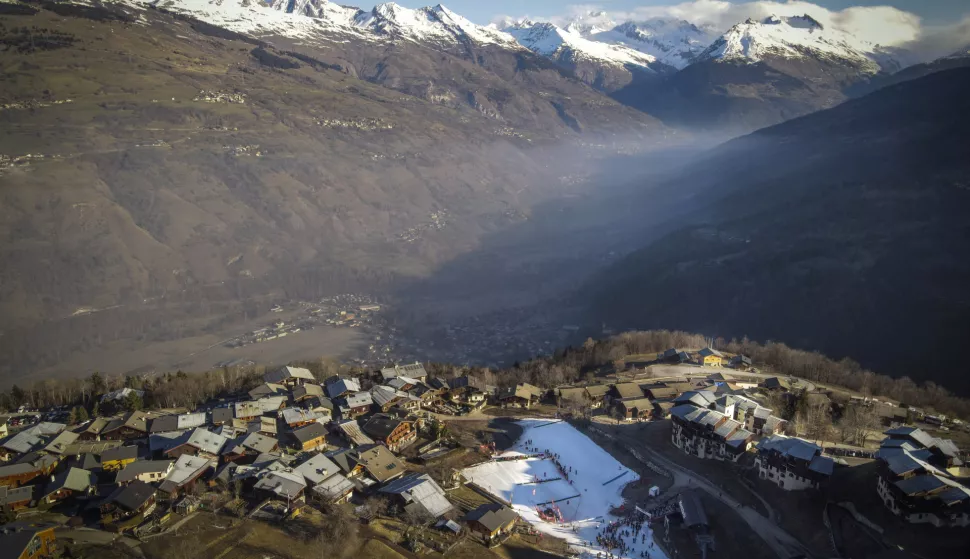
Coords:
708,433
916,481
792,463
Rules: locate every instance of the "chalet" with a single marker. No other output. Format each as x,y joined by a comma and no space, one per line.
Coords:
297,417
355,405
25,541
136,498
351,431
133,425
164,424
673,356
184,474
316,469
491,521
335,489
775,383
393,433
696,398
59,444
419,495
347,460
661,392
92,431
913,483
520,396
708,433
148,471
385,397
115,459
635,408
741,362
31,465
415,371
201,443
625,390
267,389
747,411
272,404
26,441
571,396
191,420
247,410
311,437
13,499
342,387
792,463
320,405
281,484
596,395
661,409
221,416
70,483
306,392
380,464
710,357
403,383
289,376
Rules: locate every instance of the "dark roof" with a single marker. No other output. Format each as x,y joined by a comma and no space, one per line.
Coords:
492,516
310,432
691,509
132,496
86,461
381,426
14,539
222,415
120,453
165,423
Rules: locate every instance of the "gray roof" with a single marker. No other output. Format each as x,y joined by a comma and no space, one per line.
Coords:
353,433
287,373
317,469
699,398
710,351
285,484
191,420
297,415
259,443
139,467
73,479
165,424
492,516
161,442
790,446
738,437
691,509
61,442
342,387
307,390
120,453
727,428
222,415
422,490
206,441
334,487
186,469
24,441
358,399
9,495
132,496
822,464
266,389
310,432
271,403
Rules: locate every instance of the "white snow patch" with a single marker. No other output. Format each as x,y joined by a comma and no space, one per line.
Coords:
555,42
583,501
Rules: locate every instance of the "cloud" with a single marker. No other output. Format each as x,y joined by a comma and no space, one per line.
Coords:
881,25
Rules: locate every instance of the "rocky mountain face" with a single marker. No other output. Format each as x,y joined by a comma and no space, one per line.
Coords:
843,231
168,169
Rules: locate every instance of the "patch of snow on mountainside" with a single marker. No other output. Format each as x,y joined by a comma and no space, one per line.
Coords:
795,37
257,18
321,9
555,42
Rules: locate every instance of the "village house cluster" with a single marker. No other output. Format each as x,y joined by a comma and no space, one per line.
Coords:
291,440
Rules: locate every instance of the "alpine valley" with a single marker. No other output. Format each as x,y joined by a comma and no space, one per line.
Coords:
171,170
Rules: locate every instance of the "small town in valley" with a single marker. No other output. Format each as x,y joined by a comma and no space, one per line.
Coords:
685,452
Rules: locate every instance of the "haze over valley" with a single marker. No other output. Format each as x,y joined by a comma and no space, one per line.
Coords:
184,181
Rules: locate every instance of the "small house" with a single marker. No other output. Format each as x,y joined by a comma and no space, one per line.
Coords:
115,459
70,483
418,494
129,500
15,498
311,437
148,471
710,357
289,376
25,541
393,433
380,464
491,521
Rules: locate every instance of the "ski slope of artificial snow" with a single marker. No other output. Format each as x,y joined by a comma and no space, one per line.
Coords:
584,502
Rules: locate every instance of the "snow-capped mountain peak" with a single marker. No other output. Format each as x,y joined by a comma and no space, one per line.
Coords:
794,37
558,43
672,42
436,23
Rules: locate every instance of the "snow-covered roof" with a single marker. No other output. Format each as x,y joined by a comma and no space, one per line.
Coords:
422,490
206,441
334,487
121,394
790,446
342,386
317,469
186,469
283,483
358,399
292,416
283,374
